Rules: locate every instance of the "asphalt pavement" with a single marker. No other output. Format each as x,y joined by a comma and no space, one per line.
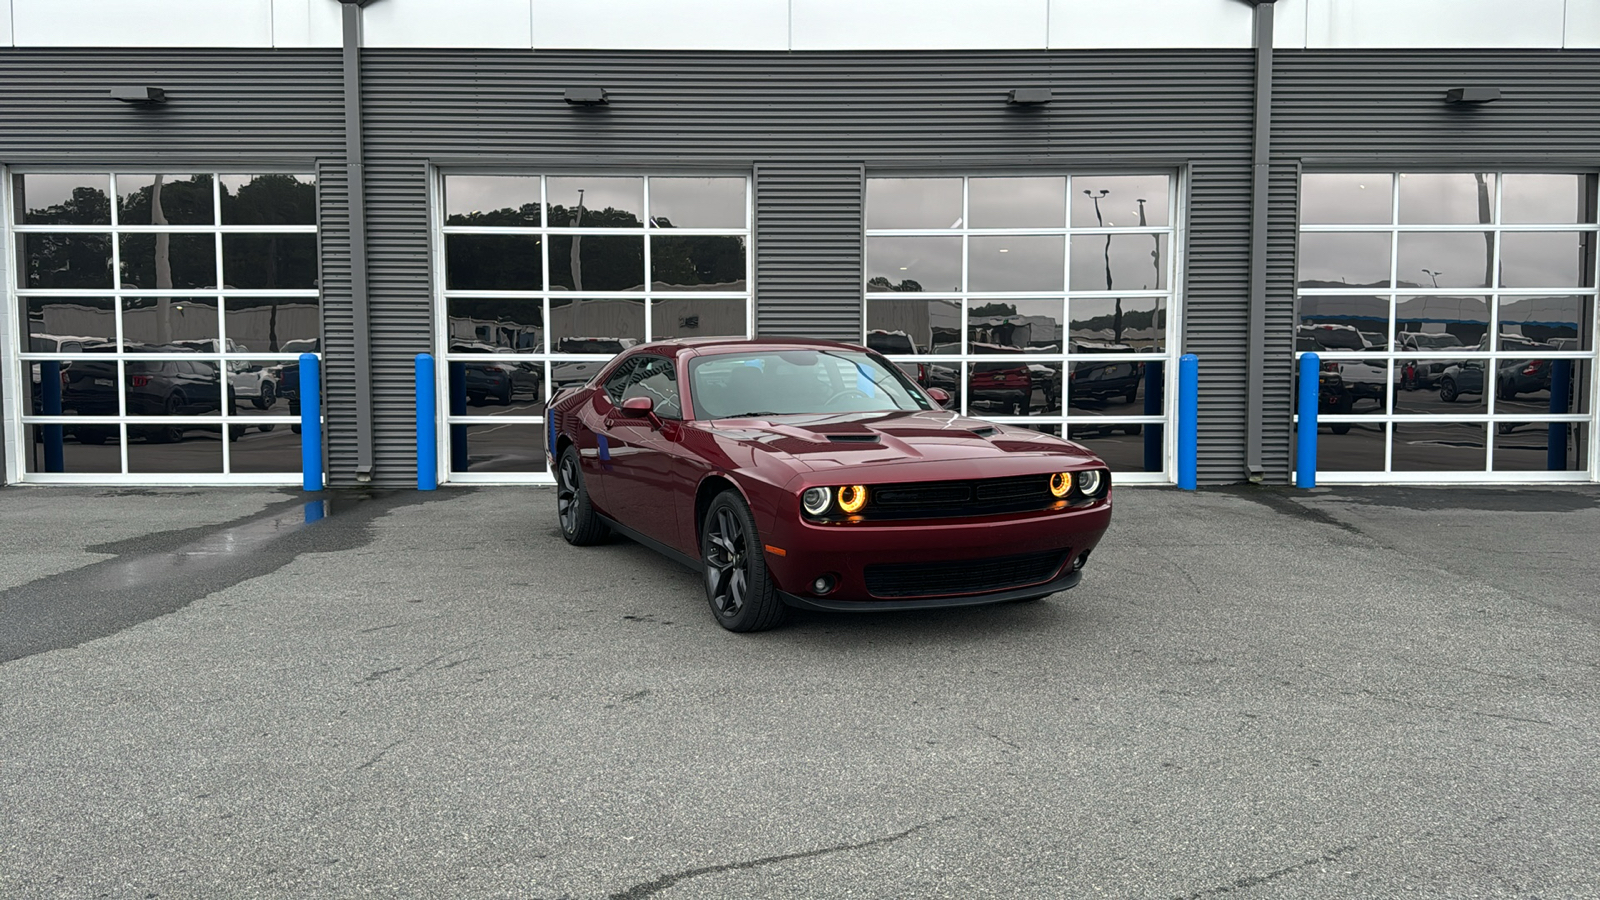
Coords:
1360,692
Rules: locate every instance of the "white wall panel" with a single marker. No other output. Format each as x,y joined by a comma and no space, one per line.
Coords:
1583,24
1086,24
654,25
306,23
5,23
141,23
448,23
1289,24
1435,23
918,24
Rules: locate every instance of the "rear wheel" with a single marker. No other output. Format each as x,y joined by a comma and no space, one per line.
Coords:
738,586
580,524
1447,390
267,398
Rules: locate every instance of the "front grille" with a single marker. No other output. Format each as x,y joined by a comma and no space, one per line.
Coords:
967,576
943,499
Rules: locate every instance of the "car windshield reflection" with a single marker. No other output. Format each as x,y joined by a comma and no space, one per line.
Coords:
798,382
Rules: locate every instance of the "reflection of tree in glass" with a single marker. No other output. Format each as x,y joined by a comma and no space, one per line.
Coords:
270,261
697,260
880,283
187,201
65,260
525,217
995,309
86,206
270,200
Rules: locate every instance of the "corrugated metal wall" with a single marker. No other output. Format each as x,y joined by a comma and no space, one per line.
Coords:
807,124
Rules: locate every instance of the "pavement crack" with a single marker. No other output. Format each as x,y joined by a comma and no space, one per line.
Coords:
378,757
1250,881
645,889
1012,744
379,674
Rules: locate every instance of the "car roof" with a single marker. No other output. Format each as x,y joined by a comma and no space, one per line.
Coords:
708,345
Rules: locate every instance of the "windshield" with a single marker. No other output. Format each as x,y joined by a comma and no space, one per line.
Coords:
797,382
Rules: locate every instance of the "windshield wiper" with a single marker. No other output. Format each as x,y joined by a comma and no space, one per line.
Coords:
751,415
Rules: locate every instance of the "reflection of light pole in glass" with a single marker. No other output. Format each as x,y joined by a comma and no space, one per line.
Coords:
1116,318
1434,275
577,264
1484,218
1155,258
158,216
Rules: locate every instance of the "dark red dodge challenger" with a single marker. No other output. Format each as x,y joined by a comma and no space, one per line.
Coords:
815,474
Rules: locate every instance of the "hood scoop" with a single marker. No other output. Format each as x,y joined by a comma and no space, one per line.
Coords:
854,438
986,431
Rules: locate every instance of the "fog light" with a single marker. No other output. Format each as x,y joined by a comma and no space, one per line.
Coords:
1079,562
824,585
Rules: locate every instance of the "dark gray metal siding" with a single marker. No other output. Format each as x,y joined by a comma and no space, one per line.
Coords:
807,124
226,109
1344,108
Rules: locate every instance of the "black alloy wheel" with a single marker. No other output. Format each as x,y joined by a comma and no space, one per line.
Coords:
267,397
1447,390
738,586
580,524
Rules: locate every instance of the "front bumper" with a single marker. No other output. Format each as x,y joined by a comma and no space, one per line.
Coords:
845,551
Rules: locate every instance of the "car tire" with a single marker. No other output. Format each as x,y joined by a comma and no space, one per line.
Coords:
1132,429
267,397
505,398
168,434
235,432
739,589
295,428
1132,396
1342,428
1447,390
267,427
92,438
580,524
476,399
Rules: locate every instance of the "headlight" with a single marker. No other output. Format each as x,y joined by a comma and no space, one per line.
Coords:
815,500
852,497
1091,482
1061,484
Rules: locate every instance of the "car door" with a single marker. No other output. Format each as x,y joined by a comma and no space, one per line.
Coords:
642,487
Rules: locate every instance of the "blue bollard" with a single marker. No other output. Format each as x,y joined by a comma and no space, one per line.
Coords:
1560,399
311,421
458,407
1155,385
427,435
1305,461
1188,421
55,458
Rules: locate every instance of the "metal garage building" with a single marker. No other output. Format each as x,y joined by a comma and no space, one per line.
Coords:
1036,204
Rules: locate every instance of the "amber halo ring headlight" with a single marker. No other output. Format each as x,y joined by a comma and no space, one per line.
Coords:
852,497
1092,482
1060,485
815,501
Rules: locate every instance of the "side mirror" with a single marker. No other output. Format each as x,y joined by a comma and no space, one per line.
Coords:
639,408
939,395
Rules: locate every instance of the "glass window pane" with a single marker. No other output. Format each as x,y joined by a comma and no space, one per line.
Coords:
159,324
583,202
174,448
504,384
1557,322
502,200
1346,199
672,318
1460,389
1132,262
1441,324
163,261
84,449
1447,259
1342,260
493,262
1543,259
1355,387
657,378
1351,447
1342,323
255,387
1017,202
1119,323
495,325
269,324
1524,386
269,200
1124,447
1448,199
913,264
900,326
1009,387
697,202
62,199
914,203
68,324
1441,446
165,200
1543,200
1015,263
1103,387
508,447
1120,201
260,448
173,387
699,263
1012,326
596,263
594,325
1525,447
88,387
64,260
269,261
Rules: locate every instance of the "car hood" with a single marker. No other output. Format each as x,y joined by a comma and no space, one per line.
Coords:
823,442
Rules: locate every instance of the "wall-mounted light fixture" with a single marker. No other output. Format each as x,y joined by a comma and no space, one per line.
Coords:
586,96
1030,96
134,94
1472,95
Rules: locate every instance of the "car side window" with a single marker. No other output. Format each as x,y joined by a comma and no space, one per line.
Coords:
618,380
656,377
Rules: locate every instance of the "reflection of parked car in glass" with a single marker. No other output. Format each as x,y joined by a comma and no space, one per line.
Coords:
1414,374
1002,388
289,375
153,388
579,371
1099,382
1512,376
